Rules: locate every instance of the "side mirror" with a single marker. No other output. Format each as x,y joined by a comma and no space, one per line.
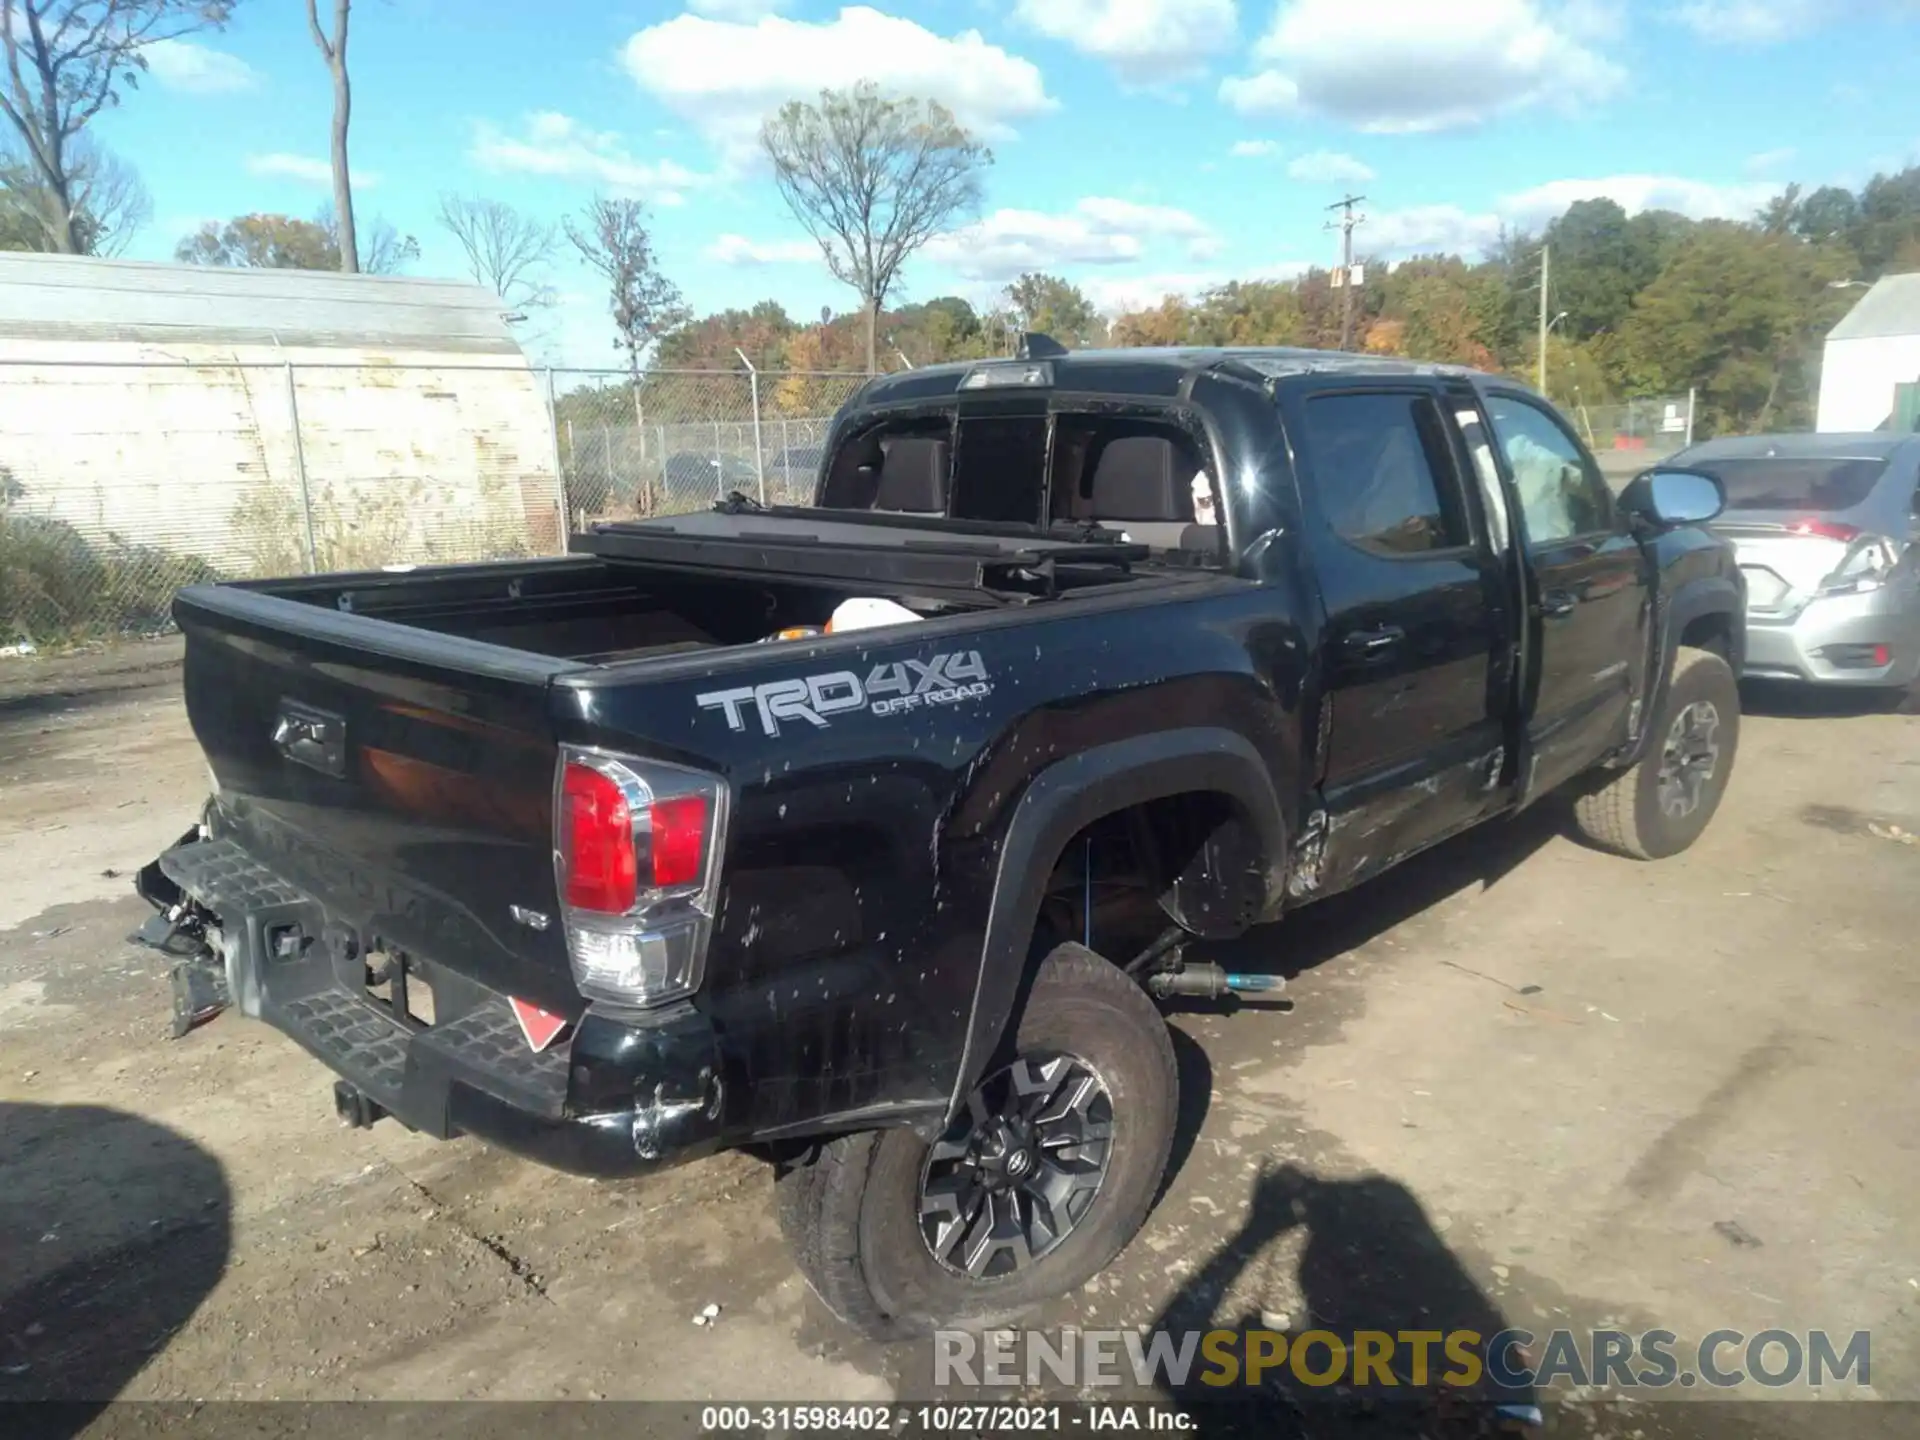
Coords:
1674,495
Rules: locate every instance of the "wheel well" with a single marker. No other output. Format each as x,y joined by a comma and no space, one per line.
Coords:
1193,857
1710,632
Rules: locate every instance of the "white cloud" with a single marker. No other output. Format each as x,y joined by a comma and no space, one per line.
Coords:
1769,160
1097,231
1750,22
1114,294
197,70
1153,220
1428,229
1405,66
1147,42
724,79
739,250
1594,21
1768,22
1254,149
1696,199
279,165
559,146
1267,93
1330,167
736,9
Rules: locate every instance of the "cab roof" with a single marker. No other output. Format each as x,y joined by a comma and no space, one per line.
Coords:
1147,370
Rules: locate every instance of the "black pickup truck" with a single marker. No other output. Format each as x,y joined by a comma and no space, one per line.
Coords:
661,847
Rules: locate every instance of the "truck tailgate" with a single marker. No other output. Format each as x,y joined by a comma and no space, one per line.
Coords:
401,778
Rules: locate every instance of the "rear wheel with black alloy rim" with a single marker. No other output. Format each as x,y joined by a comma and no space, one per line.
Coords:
1044,1175
1661,805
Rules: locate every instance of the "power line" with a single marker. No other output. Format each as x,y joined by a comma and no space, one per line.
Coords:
1346,223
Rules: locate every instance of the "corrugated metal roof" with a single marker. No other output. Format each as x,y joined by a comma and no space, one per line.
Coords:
68,297
1891,307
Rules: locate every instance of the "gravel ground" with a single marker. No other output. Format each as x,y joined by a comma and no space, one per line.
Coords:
1519,1081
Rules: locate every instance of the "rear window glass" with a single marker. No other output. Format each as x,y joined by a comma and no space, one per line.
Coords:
1781,483
999,468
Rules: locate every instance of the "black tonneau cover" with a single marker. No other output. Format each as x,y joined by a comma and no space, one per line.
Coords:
852,545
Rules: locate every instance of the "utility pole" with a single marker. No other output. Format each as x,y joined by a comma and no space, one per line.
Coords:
1346,222
1546,270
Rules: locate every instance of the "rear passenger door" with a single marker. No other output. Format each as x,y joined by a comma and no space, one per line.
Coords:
1588,642
1412,717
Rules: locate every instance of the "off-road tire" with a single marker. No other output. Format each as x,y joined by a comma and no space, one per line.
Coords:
1624,813
850,1211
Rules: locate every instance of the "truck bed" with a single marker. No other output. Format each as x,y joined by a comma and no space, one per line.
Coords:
387,740
704,581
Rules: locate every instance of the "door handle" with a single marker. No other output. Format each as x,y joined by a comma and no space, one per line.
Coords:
1372,644
1556,603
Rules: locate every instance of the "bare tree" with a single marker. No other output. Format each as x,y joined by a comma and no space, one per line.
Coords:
873,179
333,49
613,238
66,61
386,251
506,250
110,204
109,192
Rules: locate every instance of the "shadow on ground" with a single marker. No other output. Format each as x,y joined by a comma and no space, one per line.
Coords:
1815,702
1327,929
114,1229
1371,1261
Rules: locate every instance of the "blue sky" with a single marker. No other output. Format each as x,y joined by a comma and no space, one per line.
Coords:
1141,145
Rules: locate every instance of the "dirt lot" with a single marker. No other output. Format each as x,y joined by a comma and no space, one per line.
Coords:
1520,1080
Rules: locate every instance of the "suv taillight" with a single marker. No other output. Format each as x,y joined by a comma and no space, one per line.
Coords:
637,856
1825,529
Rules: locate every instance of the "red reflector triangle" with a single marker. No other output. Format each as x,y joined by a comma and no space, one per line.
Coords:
539,1026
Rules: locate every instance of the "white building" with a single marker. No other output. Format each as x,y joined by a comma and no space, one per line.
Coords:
1873,350
155,405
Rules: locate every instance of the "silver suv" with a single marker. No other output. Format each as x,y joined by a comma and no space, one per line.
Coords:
1825,528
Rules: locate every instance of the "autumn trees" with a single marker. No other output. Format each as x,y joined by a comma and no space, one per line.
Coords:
1656,303
281,242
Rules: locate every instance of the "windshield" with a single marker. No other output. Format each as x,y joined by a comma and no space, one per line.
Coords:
1784,483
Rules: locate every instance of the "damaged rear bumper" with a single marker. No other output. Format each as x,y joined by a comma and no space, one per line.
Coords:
623,1095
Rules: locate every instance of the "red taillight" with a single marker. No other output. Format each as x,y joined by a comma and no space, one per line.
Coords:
1826,530
602,870
606,856
679,829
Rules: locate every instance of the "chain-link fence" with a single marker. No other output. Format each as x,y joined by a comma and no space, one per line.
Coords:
1629,436
119,483
667,441
1657,426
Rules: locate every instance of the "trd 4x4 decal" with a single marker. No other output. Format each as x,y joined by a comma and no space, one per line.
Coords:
890,689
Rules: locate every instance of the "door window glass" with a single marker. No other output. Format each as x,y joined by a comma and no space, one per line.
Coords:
1373,456
1561,492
